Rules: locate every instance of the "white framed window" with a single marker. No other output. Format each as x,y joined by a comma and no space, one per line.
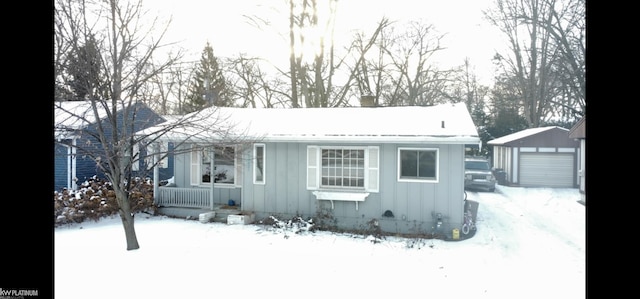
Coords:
418,164
259,154
350,168
219,165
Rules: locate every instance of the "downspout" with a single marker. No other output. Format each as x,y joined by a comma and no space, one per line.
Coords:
212,154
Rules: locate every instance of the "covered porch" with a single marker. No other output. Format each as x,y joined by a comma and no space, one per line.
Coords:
190,203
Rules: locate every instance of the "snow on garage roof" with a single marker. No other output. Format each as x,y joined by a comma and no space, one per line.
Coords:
521,134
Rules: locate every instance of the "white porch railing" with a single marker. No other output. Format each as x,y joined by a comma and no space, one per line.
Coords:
183,197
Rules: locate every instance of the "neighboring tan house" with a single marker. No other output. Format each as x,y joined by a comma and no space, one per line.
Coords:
537,157
579,132
74,125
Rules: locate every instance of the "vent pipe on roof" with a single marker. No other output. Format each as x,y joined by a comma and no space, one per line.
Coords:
442,126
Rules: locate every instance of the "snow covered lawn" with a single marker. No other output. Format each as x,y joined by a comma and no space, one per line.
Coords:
530,243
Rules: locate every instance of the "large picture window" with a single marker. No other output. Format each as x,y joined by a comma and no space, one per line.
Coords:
342,168
222,170
354,168
416,164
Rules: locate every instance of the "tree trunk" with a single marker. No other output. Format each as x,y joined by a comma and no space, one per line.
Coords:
129,230
127,218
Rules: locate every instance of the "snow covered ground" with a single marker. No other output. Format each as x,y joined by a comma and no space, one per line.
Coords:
530,243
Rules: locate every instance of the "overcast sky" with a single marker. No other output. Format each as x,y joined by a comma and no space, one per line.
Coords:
224,24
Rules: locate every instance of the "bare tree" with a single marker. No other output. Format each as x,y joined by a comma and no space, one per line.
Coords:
115,107
466,88
567,27
165,93
368,74
541,54
252,86
312,77
400,72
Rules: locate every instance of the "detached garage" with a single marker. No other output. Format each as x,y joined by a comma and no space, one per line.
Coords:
538,157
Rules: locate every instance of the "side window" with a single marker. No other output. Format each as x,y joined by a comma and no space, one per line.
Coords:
259,163
416,164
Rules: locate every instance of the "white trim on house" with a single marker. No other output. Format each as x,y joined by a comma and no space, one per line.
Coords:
256,170
372,166
418,180
566,150
341,196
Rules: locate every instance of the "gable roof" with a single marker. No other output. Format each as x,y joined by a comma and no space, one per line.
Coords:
70,116
523,135
446,123
74,114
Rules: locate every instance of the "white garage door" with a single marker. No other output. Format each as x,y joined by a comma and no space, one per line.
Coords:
546,170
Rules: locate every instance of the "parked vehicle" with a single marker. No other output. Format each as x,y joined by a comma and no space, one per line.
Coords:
478,174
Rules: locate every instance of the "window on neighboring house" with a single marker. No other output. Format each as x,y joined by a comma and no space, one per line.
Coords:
258,166
342,168
417,164
222,171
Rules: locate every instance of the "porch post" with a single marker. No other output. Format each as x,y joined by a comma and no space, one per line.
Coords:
212,154
156,172
73,166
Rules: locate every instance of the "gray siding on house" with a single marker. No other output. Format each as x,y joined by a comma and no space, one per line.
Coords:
413,204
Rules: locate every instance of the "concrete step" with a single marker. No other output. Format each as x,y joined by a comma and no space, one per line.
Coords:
224,211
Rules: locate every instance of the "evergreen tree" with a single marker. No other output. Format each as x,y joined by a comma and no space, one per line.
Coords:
207,86
83,67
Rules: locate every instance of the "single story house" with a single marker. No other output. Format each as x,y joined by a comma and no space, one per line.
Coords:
400,169
74,126
579,132
537,157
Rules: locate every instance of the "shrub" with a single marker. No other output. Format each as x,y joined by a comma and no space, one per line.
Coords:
96,199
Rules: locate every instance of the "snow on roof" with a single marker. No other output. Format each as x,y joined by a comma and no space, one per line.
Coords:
521,134
447,123
70,116
74,114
